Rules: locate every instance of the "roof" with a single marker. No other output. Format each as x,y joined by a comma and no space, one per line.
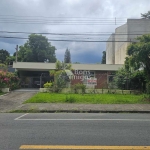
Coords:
41,66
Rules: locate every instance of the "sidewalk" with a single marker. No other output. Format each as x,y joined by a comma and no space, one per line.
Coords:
77,108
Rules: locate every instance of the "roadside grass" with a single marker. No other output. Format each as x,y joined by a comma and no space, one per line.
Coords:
88,98
1,93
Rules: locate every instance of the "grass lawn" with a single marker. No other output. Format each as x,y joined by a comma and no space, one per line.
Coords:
87,98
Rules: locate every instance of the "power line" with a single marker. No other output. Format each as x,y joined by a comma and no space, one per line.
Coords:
65,40
61,20
62,17
92,34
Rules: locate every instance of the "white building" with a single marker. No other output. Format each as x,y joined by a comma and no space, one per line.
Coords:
124,35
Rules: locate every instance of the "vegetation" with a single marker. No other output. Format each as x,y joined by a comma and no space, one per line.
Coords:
126,80
62,65
67,57
78,87
1,93
3,55
87,98
10,60
3,67
146,15
9,80
104,58
48,85
37,49
60,78
139,57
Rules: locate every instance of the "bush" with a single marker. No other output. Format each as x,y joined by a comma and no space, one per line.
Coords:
48,85
78,87
9,80
3,67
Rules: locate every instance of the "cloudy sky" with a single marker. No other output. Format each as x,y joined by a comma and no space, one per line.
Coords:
74,20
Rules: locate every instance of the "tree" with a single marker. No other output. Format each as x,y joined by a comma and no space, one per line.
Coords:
139,54
104,58
3,55
62,66
10,60
67,57
139,58
146,15
126,79
37,49
60,77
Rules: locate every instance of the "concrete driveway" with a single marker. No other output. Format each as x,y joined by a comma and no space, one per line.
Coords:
14,99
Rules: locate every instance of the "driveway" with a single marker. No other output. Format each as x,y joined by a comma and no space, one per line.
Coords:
15,99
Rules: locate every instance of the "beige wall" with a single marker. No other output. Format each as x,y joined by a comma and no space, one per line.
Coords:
129,31
138,26
120,45
121,53
110,50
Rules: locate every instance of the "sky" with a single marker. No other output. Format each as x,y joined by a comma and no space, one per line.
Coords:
76,21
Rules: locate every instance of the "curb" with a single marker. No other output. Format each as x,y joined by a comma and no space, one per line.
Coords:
74,111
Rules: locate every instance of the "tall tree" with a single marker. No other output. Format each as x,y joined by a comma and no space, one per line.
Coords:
67,57
146,15
104,58
139,54
3,55
37,49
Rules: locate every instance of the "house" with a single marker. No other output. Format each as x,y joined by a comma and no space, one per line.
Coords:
35,74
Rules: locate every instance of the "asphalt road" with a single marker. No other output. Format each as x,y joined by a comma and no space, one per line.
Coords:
74,129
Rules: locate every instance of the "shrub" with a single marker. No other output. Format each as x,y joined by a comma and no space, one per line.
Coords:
3,67
78,87
48,85
8,79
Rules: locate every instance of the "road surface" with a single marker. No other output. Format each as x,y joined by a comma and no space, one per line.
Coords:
80,129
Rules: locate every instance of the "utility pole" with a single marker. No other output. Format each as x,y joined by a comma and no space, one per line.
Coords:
16,52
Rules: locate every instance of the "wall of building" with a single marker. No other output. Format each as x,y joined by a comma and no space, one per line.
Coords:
138,27
129,31
110,50
120,44
101,77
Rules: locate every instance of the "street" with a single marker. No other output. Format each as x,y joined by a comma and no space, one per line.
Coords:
88,129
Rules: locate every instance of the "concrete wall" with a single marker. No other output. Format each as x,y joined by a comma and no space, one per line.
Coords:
110,50
128,32
138,27
120,45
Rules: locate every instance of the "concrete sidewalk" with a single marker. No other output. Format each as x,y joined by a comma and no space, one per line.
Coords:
49,107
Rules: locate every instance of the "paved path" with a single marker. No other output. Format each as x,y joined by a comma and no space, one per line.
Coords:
14,99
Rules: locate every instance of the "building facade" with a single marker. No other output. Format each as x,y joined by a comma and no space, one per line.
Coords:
92,75
116,46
